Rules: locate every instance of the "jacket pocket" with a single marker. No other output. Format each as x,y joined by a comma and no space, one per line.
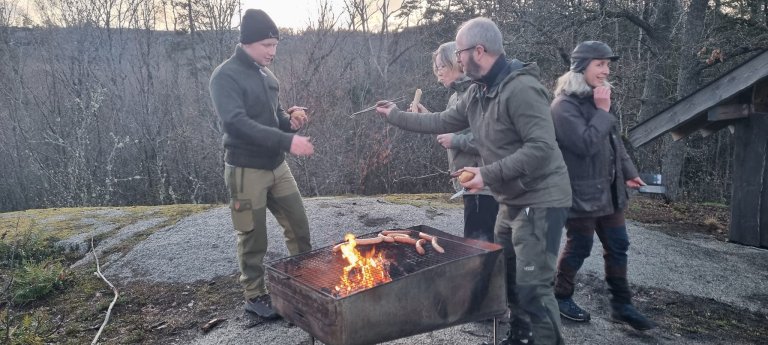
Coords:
590,195
511,189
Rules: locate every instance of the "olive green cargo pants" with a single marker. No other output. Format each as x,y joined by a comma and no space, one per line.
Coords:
252,192
531,240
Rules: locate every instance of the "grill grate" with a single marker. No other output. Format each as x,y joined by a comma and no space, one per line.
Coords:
321,269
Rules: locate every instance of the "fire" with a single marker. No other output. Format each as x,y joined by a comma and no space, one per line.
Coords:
363,272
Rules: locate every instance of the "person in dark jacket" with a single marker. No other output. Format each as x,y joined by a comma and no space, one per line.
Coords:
507,110
480,208
257,133
600,171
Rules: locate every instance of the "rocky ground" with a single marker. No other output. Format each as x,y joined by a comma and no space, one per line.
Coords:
177,276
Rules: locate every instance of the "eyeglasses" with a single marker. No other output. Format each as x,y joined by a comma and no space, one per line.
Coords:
458,51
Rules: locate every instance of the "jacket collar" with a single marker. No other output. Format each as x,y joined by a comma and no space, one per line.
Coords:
495,73
461,84
242,57
501,71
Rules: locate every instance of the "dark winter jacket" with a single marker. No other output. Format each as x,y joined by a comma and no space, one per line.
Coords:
597,162
512,127
257,132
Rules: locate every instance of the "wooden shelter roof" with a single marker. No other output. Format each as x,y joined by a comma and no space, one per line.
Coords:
734,95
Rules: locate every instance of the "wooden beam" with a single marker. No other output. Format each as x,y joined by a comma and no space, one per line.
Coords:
749,197
713,127
760,96
730,84
689,127
729,112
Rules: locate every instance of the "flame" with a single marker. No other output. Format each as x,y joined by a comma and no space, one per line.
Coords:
363,272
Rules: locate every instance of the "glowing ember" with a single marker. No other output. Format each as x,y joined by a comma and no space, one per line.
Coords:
363,272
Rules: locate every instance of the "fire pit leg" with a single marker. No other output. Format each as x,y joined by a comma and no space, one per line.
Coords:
311,339
495,325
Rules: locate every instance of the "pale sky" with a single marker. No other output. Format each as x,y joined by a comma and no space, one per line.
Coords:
298,14
295,14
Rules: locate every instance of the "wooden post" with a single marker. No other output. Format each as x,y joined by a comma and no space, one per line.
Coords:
749,198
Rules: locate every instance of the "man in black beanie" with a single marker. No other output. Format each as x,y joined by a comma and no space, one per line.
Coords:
257,133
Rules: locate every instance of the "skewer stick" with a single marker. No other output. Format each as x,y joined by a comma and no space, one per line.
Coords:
398,99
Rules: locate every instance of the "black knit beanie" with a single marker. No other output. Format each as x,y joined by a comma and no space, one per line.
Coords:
257,26
587,51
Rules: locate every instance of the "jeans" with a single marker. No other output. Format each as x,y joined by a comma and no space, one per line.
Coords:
612,232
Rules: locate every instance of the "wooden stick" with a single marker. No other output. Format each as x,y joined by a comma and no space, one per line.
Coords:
114,300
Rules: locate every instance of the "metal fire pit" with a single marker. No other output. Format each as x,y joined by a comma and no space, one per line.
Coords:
427,292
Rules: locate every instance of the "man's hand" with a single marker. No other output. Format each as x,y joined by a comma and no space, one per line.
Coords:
298,116
300,146
635,183
476,183
385,107
445,140
602,95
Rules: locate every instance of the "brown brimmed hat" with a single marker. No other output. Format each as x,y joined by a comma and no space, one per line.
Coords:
587,51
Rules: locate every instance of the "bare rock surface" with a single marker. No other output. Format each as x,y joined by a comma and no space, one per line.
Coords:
202,247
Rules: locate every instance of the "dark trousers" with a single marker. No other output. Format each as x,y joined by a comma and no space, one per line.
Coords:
531,239
579,232
480,216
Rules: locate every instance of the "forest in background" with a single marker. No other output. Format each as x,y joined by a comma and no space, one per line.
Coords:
106,103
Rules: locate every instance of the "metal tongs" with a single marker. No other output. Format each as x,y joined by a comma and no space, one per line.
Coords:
395,100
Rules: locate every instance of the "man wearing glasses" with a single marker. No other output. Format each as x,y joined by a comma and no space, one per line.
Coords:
507,110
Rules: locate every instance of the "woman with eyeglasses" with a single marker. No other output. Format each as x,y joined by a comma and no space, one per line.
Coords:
480,208
601,173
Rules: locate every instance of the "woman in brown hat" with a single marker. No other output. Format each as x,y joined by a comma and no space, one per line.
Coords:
601,173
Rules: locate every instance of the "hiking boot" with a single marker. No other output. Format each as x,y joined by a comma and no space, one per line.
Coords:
519,333
571,311
261,306
628,314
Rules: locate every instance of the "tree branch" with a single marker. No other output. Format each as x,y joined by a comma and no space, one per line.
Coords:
114,300
631,17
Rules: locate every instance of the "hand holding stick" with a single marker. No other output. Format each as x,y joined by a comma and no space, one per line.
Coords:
398,99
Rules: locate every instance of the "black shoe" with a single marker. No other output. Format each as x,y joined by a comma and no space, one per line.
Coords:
629,314
261,306
519,333
570,310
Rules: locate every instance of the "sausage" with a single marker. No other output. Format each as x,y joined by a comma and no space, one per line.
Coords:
427,237
420,246
392,232
465,176
387,238
369,241
398,235
404,239
437,247
360,241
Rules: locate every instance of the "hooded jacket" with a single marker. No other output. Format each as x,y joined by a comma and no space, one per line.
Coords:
598,163
257,132
513,131
463,152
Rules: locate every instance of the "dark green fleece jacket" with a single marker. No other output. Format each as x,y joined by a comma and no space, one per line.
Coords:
257,131
513,131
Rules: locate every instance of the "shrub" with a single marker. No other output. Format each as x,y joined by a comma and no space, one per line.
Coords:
36,280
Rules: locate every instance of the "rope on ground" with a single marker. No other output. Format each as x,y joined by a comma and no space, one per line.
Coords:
114,289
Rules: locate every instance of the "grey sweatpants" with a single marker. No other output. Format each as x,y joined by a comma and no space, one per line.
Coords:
252,192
